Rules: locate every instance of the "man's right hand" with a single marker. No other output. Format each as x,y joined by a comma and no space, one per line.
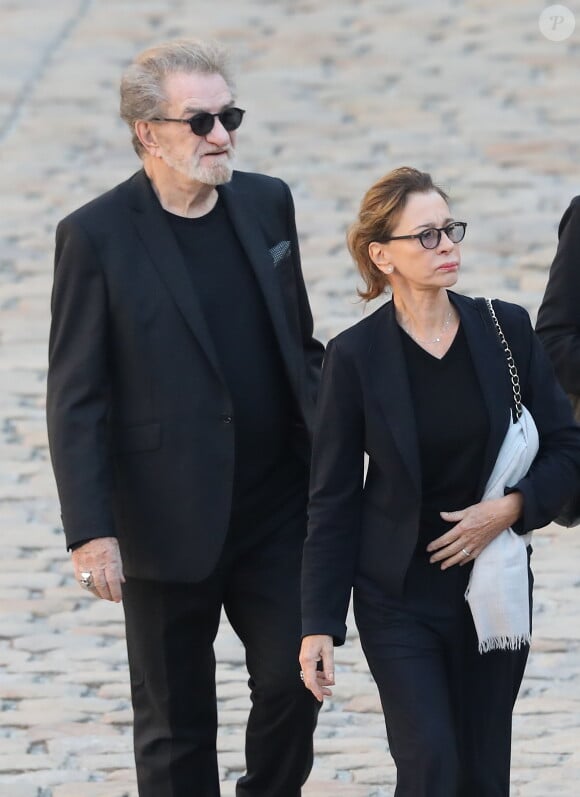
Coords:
102,559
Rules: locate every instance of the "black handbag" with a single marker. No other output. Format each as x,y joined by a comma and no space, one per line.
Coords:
570,513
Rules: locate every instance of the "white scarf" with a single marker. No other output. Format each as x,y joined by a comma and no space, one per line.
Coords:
498,589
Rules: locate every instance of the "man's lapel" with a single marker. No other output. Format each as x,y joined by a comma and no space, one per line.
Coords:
166,256
240,209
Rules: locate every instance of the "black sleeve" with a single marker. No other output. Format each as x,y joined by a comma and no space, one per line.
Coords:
334,511
78,387
313,349
558,323
78,544
555,472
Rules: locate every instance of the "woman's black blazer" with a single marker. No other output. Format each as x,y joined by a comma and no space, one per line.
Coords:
365,406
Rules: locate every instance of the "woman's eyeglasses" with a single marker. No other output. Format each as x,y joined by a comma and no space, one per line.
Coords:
431,238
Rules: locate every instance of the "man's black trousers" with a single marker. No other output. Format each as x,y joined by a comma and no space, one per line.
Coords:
170,633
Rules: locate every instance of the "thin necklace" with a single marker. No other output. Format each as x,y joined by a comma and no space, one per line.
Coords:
444,328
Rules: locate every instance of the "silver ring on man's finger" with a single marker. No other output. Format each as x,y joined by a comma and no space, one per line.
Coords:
465,552
86,580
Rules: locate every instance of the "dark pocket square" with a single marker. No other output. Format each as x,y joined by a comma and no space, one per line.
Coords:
279,251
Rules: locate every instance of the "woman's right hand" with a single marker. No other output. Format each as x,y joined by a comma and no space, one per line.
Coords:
317,648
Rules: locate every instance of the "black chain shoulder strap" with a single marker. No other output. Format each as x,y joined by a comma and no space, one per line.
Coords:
515,379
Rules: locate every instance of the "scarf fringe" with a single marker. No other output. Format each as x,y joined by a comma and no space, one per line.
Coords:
504,643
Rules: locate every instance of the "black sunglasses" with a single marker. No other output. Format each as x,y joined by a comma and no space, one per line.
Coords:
202,123
431,238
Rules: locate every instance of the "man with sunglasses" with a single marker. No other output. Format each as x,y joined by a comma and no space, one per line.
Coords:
181,389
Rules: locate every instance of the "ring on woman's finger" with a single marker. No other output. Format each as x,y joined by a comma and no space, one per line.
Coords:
465,552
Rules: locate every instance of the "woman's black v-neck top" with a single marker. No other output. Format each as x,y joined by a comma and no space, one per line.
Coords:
452,428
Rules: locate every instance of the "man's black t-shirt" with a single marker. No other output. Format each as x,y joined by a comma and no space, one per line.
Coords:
248,352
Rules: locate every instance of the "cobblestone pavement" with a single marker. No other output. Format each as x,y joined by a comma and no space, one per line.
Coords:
337,93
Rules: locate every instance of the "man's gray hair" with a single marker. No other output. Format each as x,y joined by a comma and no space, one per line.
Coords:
142,85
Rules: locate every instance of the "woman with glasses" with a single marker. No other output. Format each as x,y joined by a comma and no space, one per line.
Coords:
423,387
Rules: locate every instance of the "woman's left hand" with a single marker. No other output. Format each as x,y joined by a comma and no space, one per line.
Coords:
475,527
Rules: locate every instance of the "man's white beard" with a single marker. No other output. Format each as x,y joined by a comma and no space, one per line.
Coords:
214,174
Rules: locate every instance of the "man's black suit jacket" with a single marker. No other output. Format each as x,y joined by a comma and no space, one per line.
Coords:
141,424
558,323
365,404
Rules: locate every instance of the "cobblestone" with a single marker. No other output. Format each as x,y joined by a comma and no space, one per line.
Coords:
337,93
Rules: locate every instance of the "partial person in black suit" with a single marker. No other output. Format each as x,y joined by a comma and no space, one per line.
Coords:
181,389
558,323
422,387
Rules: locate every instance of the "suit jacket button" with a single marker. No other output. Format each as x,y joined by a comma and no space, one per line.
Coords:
227,418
